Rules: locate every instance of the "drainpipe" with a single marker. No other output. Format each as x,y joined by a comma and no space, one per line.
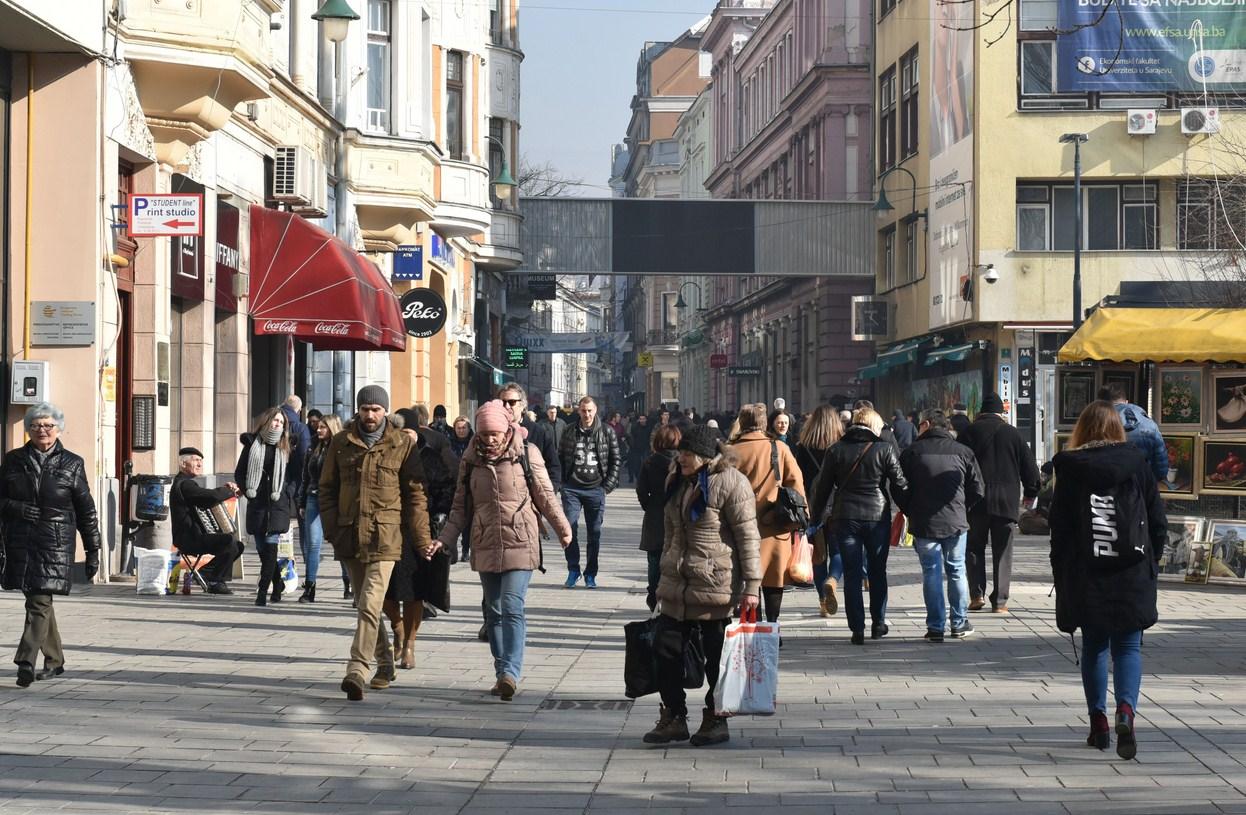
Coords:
30,176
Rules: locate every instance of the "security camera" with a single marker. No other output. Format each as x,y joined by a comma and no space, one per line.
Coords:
990,275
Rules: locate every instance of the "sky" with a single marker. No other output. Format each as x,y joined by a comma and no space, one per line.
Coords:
579,76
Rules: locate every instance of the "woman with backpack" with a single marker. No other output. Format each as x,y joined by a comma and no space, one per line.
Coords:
1108,531
504,491
816,437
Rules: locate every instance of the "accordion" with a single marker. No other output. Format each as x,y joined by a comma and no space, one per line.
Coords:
216,520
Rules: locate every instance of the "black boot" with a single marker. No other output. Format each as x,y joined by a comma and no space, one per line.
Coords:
279,587
309,593
261,597
713,730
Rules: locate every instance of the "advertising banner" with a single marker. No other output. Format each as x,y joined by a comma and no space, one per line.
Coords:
1151,46
950,243
570,343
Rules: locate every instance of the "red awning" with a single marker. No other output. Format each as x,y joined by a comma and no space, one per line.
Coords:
310,284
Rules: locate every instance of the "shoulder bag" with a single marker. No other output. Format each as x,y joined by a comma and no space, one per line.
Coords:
790,510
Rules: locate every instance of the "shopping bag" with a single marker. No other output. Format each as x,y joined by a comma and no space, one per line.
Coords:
153,571
900,535
748,674
800,564
640,659
285,545
289,574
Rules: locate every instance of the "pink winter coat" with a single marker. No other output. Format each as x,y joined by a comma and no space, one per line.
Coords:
506,532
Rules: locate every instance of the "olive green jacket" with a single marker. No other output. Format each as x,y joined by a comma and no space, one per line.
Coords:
370,497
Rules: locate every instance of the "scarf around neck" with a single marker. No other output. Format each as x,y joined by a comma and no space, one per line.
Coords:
372,438
255,464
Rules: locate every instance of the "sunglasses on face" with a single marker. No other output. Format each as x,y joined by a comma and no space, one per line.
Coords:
511,402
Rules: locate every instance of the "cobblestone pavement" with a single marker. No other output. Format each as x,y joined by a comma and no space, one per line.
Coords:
208,704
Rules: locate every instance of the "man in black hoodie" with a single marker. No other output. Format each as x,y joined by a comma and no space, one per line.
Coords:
589,453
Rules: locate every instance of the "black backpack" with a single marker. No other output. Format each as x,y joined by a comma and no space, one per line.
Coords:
1113,527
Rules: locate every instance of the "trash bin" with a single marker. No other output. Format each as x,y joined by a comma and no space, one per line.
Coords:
149,510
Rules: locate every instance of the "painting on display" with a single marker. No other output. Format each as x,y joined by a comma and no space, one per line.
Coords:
1075,390
1183,531
1228,402
1224,466
1183,471
1062,441
1198,567
1228,549
943,392
1127,378
1181,398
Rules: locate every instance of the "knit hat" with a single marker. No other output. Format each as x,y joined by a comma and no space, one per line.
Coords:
372,395
700,440
991,403
493,416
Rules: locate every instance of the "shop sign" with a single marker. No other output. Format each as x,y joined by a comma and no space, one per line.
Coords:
514,358
442,251
423,312
163,215
543,286
743,371
718,360
228,258
1005,388
62,322
1025,376
644,359
409,263
869,318
186,250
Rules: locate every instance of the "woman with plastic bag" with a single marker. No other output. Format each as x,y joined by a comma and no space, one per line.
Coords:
711,548
269,473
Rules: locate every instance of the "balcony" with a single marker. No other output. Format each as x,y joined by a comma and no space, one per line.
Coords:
662,337
463,207
499,250
393,182
194,62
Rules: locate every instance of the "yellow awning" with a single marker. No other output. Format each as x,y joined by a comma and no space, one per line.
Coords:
1159,335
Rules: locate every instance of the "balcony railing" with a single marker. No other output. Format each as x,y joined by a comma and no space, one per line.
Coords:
663,336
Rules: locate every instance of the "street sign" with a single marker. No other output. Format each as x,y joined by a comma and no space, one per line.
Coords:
409,263
743,371
515,358
718,360
162,215
644,359
423,312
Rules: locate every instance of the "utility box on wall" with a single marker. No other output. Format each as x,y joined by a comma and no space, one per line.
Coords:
30,383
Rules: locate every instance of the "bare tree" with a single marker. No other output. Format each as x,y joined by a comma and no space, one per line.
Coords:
544,180
1211,223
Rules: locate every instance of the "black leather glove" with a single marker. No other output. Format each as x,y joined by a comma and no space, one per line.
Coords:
93,564
29,511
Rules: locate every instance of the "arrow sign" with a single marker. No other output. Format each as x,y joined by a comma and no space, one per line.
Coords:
159,215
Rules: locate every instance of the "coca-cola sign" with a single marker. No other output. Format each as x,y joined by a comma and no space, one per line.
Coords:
333,329
423,312
279,326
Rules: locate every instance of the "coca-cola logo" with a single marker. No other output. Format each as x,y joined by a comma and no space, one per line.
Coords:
423,312
333,329
280,326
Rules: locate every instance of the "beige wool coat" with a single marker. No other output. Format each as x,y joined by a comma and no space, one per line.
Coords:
752,451
502,510
707,565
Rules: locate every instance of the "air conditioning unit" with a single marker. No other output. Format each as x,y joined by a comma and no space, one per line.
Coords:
1200,120
318,187
1140,122
293,175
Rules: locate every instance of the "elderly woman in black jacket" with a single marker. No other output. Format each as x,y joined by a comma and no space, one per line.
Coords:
44,498
651,492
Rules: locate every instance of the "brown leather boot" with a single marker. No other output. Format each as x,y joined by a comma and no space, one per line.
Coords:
713,730
670,727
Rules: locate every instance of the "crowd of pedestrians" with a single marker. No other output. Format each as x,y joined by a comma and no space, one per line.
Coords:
400,495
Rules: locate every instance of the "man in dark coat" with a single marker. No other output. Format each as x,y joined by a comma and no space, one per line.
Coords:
540,434
1007,466
589,453
638,450
185,497
943,484
904,430
959,418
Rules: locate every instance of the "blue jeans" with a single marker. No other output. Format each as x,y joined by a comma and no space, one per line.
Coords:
832,567
504,617
312,543
593,502
1126,652
865,542
936,555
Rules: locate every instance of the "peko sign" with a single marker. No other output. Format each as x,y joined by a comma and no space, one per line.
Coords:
423,313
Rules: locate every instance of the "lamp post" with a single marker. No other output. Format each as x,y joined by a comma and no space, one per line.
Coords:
883,205
504,183
1076,140
682,304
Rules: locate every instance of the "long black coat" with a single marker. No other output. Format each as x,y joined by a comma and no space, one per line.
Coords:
39,554
651,492
1006,462
264,515
864,494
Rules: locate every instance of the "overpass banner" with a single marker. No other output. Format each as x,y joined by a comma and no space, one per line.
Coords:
571,343
1151,46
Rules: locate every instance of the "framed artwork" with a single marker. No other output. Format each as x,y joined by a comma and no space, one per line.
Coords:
1127,378
1228,549
1183,530
1198,568
1062,441
1223,467
1228,401
1181,398
1183,466
1075,389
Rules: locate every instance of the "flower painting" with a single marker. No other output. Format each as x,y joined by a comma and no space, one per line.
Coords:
1181,397
1182,478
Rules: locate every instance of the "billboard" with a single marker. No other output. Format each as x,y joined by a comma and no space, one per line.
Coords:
1151,46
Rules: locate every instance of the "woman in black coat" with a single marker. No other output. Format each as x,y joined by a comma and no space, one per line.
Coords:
269,474
44,498
1108,531
816,437
651,492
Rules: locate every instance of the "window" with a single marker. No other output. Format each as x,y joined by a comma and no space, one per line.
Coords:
378,65
1209,215
495,21
1038,15
885,6
1038,67
887,119
889,258
1114,216
908,103
454,105
670,315
497,156
910,250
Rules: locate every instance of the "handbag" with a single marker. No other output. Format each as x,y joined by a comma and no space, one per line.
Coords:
900,535
640,659
790,511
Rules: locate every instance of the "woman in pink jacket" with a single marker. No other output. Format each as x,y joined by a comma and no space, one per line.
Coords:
503,492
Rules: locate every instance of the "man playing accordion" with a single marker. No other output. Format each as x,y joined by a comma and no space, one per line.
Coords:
195,530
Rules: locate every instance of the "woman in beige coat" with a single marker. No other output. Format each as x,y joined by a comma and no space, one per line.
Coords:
503,492
753,450
709,564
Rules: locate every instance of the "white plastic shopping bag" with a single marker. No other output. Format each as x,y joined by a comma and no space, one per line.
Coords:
748,673
285,546
153,570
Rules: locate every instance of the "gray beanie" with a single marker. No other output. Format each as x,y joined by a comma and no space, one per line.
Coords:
372,395
700,440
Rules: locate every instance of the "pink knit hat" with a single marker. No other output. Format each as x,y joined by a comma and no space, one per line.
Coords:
493,416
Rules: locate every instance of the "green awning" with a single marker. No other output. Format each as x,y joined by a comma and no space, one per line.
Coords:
870,372
900,354
952,353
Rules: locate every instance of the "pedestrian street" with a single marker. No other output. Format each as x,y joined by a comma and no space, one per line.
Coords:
208,704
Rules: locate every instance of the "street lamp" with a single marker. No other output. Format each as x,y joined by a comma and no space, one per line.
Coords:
1076,140
336,15
883,205
503,183
682,304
